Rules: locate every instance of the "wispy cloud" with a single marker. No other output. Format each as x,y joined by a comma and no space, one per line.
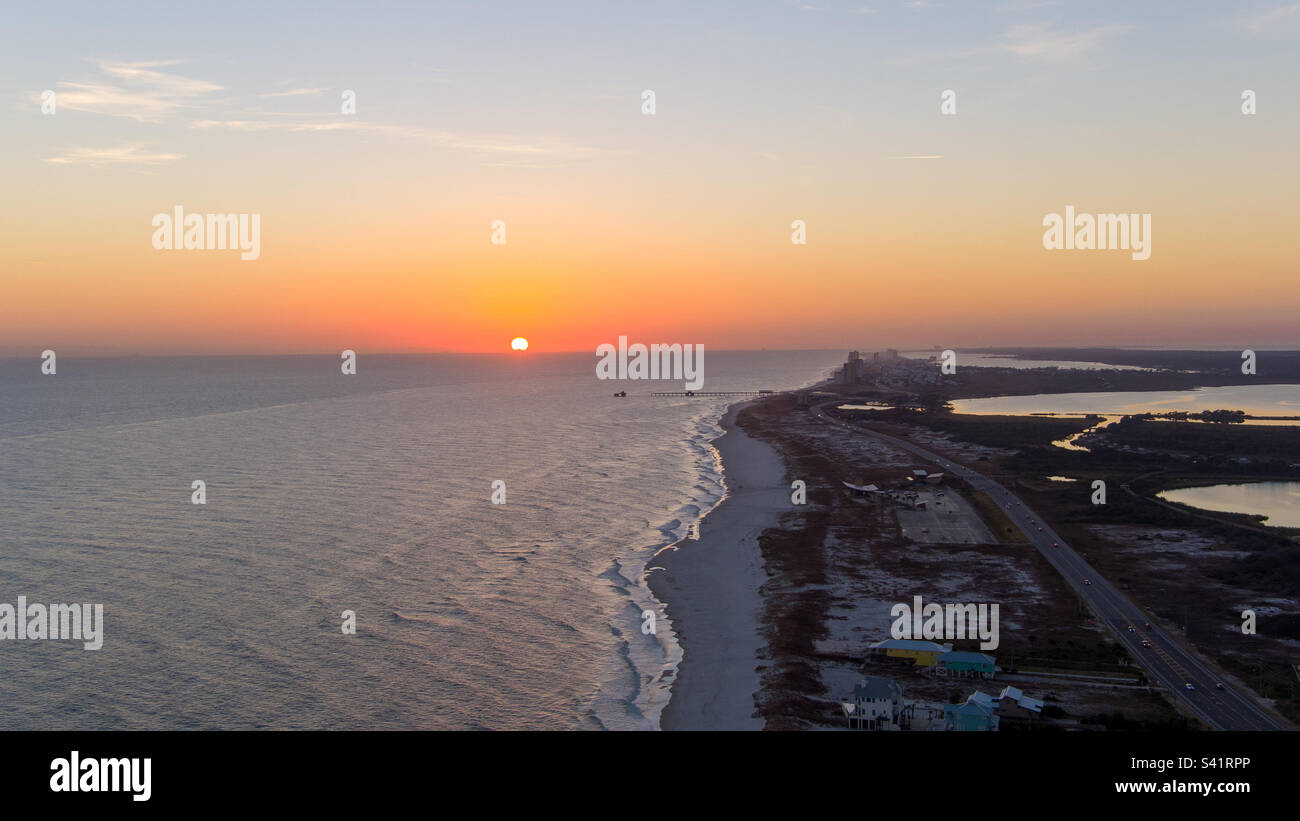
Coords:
122,155
145,92
143,74
1284,20
1026,5
337,124
1039,41
295,92
136,91
494,144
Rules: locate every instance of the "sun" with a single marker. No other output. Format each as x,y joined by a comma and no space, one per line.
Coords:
519,344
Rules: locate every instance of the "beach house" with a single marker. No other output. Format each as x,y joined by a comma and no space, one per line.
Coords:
965,664
976,714
1016,710
877,704
921,653
1009,710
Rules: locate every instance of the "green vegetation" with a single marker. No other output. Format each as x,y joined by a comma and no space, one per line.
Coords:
1276,570
1010,432
1266,443
996,518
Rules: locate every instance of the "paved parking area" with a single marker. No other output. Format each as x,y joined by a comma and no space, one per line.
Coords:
946,519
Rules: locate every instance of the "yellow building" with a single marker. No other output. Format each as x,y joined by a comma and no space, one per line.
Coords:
921,653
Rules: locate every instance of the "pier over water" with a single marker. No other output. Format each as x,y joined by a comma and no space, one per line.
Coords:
712,393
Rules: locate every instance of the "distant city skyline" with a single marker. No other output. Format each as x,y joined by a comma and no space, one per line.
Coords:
376,227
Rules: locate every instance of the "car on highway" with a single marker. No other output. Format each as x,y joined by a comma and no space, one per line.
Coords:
1148,624
1146,642
1087,582
1132,629
1040,530
1218,685
1190,686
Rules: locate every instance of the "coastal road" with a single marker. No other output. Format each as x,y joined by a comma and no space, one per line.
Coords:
1165,660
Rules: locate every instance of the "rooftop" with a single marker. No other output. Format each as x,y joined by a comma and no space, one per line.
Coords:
967,657
912,644
878,687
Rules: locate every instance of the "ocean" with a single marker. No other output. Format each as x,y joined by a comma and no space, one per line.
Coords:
370,493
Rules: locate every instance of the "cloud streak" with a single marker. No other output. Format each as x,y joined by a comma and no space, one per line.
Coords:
140,92
1282,20
295,92
1034,42
488,144
122,155
1037,41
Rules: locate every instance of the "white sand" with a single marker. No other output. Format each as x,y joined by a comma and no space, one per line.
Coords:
710,589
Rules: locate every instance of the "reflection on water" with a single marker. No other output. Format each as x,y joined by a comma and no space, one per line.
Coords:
1279,501
1255,400
1071,442
989,360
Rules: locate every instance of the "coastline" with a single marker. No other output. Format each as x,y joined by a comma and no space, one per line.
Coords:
709,588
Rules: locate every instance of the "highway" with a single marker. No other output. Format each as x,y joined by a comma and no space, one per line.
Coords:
1166,661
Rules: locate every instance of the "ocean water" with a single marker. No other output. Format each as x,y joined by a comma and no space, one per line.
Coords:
369,493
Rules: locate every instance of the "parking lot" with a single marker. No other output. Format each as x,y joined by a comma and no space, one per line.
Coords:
946,519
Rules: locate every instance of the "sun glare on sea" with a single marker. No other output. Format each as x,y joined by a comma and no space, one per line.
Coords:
519,344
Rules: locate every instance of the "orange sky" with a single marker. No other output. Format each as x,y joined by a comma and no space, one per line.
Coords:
375,227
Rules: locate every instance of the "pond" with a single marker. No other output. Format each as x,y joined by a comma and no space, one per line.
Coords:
1279,501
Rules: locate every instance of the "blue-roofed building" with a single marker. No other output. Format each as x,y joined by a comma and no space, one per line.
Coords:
977,714
965,663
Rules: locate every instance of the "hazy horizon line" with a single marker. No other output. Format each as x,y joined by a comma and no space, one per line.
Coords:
111,354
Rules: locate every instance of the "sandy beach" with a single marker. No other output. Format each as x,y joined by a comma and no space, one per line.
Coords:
710,588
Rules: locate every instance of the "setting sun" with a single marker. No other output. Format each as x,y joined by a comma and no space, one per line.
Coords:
519,344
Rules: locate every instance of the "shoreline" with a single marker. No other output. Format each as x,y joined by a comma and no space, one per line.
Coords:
709,588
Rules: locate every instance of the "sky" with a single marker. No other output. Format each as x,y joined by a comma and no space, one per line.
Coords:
923,228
